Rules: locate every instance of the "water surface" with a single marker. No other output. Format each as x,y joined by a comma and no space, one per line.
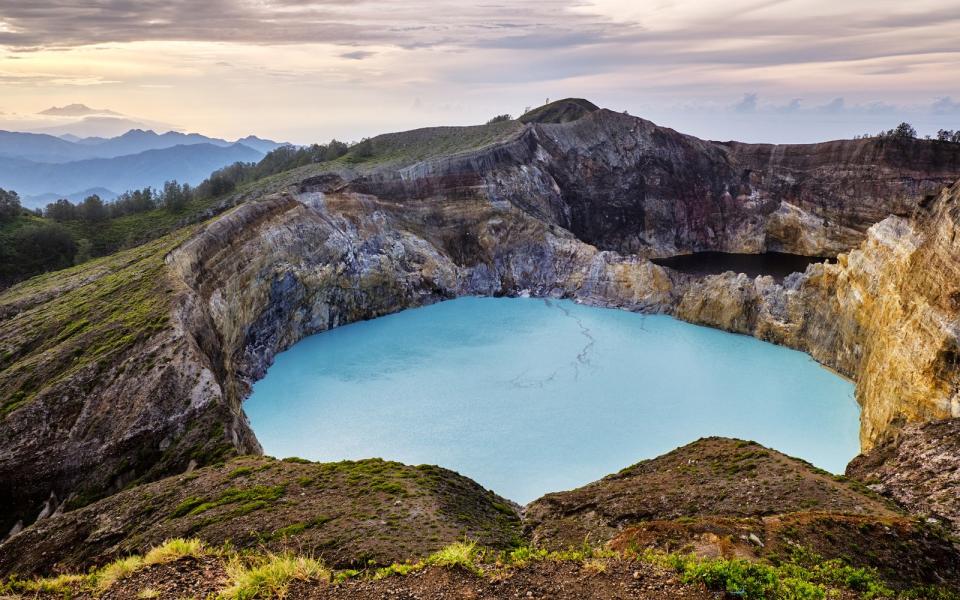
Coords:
776,264
528,396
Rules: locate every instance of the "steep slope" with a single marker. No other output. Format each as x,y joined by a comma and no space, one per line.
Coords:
919,469
885,314
135,367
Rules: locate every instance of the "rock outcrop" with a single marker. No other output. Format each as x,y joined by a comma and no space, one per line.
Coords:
886,314
134,367
919,469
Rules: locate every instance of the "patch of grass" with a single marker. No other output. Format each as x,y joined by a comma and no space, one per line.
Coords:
82,319
410,147
115,571
270,576
807,578
185,507
174,549
239,472
250,499
398,569
148,593
460,554
61,585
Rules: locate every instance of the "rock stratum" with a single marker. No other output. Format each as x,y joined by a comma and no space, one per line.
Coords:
134,367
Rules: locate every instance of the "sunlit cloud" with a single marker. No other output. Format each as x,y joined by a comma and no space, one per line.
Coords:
777,70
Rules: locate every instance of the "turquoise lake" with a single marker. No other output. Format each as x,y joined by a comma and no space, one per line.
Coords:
529,396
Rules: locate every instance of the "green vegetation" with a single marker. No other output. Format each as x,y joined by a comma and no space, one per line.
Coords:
804,576
410,147
100,580
174,549
81,318
65,234
249,499
269,576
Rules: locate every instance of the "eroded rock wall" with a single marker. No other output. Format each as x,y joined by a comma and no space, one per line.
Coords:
567,210
886,314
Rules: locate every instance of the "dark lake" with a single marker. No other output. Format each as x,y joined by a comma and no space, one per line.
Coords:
776,264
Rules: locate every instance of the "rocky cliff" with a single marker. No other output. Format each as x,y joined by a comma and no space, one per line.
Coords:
135,366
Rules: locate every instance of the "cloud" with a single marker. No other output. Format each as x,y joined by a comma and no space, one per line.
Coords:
358,54
837,105
945,106
747,105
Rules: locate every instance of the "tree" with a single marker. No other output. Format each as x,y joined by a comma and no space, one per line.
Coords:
334,150
61,210
9,205
92,209
176,196
84,251
946,135
903,131
363,149
500,119
42,248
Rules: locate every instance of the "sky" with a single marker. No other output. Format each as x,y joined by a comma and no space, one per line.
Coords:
310,70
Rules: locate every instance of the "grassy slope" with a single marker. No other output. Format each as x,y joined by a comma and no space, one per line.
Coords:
410,147
352,512
56,324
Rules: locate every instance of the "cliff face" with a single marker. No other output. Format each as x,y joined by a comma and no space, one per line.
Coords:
885,314
554,209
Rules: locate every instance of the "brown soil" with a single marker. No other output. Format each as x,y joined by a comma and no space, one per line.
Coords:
346,513
602,579
710,477
902,550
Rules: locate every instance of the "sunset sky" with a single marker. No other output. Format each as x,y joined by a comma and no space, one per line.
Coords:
309,70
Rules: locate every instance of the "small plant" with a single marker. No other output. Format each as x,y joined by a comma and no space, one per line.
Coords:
270,576
461,554
525,554
115,571
174,549
398,569
148,593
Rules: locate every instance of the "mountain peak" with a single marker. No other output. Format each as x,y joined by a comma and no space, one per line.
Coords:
560,111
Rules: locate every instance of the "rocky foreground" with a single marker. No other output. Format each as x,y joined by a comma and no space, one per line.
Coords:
122,380
684,525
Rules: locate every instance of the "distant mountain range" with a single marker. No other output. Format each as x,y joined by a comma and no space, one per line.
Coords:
42,168
40,147
38,182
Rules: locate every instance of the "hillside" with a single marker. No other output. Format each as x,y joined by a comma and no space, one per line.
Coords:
131,370
386,528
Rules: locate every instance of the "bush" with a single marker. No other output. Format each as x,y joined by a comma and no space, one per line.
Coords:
500,119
